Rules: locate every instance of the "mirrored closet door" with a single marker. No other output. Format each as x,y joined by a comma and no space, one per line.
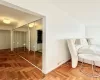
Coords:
28,42
36,43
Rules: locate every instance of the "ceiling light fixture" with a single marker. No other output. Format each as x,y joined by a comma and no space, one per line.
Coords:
31,25
6,21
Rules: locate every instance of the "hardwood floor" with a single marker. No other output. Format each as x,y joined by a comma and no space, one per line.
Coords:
34,58
66,72
13,67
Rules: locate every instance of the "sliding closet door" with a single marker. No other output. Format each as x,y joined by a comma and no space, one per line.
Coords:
28,41
36,44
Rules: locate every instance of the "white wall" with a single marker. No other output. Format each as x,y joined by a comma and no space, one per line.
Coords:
94,33
58,26
5,39
5,27
24,29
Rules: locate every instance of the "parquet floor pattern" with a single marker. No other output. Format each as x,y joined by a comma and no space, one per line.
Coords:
35,59
12,67
66,72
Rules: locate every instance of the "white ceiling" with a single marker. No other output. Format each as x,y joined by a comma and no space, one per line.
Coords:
85,11
17,17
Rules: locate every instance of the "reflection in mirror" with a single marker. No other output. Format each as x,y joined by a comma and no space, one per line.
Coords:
36,43
19,50
28,42
19,40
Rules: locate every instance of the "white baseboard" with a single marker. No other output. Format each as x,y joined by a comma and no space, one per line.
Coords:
64,61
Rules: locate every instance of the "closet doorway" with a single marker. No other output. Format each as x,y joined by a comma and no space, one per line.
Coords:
21,37
27,42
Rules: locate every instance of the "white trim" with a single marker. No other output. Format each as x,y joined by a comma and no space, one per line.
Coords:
11,36
48,71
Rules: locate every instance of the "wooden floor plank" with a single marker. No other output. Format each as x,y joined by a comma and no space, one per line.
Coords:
13,67
66,72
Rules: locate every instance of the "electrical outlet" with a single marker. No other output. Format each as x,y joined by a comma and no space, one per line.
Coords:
59,63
